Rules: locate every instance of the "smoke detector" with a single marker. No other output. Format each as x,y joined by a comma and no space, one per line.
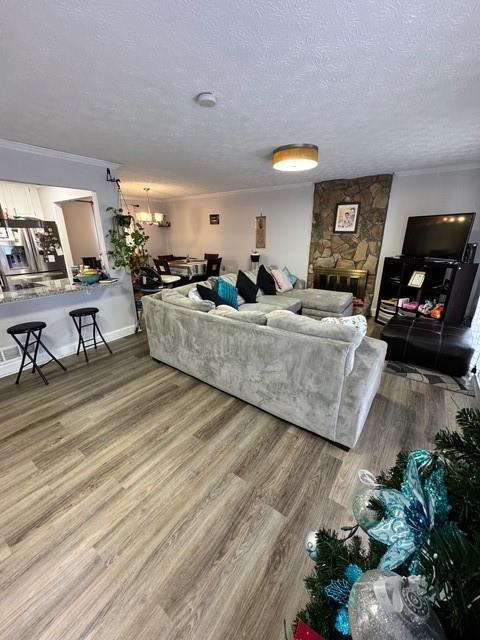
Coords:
206,99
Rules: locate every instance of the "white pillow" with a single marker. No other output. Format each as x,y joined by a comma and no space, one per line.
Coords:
357,322
194,295
282,283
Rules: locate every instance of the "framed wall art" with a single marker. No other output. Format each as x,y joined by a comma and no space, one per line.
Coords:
260,232
214,218
346,217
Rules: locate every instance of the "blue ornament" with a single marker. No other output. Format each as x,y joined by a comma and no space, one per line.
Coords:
341,621
410,515
339,590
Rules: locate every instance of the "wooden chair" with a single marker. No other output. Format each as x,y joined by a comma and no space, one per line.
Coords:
213,267
163,269
210,256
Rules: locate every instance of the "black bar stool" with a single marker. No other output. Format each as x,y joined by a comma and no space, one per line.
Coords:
31,329
87,312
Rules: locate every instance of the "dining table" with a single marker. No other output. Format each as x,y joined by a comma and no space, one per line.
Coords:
188,268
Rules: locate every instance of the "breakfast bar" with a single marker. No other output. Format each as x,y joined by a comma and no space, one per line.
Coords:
52,304
53,288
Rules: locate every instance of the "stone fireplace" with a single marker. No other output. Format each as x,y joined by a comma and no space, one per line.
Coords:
359,250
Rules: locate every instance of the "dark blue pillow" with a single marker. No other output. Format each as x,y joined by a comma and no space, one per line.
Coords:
246,288
266,282
209,294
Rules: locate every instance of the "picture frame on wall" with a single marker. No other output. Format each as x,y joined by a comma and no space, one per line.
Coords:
214,218
346,217
260,232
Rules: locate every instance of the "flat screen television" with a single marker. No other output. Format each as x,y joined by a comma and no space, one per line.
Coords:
443,236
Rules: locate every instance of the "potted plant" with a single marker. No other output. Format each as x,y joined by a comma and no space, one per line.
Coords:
128,241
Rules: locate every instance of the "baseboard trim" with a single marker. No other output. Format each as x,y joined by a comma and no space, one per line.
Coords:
12,366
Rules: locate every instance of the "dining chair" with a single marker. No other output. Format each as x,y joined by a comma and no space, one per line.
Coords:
162,266
213,267
163,270
210,256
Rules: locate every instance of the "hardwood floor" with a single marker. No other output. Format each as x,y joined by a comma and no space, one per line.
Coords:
138,503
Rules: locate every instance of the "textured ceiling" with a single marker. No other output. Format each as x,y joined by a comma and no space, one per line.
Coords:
379,85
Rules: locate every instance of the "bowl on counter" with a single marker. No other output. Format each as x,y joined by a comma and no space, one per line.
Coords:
88,279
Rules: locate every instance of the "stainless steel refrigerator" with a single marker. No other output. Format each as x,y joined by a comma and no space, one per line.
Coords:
30,253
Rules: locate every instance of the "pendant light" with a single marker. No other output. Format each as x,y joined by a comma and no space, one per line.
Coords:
145,217
295,157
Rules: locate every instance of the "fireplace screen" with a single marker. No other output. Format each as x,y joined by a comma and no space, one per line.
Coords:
352,280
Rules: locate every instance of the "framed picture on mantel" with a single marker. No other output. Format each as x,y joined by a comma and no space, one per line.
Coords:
346,217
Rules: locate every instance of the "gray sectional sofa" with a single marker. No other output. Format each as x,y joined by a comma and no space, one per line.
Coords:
290,365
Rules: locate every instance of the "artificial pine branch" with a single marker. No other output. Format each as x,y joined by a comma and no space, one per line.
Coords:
450,560
334,554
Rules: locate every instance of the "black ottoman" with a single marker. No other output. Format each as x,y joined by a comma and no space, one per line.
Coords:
429,343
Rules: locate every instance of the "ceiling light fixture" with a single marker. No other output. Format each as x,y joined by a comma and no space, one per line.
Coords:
147,217
295,157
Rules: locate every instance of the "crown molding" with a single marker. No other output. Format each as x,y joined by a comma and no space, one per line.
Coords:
216,194
441,169
53,153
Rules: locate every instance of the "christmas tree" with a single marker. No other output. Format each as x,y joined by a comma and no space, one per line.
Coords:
444,548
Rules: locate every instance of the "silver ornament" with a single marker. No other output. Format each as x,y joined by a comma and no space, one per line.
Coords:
364,515
311,545
385,606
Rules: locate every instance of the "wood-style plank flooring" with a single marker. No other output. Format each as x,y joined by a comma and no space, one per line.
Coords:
140,504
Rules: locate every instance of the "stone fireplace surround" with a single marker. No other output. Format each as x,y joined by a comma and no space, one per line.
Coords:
360,250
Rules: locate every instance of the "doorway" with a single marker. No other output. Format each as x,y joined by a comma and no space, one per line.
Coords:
81,229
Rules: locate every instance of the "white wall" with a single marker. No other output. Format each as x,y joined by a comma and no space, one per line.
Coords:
289,222
418,194
117,312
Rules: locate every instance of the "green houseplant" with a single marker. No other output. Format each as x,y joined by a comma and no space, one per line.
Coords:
128,242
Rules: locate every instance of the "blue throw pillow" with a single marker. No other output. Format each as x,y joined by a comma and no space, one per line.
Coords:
290,276
227,292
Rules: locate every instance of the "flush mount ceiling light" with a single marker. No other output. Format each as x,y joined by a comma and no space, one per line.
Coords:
295,157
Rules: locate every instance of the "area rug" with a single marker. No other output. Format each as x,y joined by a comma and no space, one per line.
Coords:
465,385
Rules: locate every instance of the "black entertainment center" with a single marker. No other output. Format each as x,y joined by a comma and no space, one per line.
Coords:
424,294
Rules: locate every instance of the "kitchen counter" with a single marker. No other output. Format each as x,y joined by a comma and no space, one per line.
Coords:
51,288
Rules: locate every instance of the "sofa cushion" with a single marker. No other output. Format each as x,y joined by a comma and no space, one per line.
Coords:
266,282
322,299
289,321
282,283
180,300
280,302
227,292
253,317
257,306
246,287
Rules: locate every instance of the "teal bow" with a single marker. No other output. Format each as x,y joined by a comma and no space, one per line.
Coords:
412,513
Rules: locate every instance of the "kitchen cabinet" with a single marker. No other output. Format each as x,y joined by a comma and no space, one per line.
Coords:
20,200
